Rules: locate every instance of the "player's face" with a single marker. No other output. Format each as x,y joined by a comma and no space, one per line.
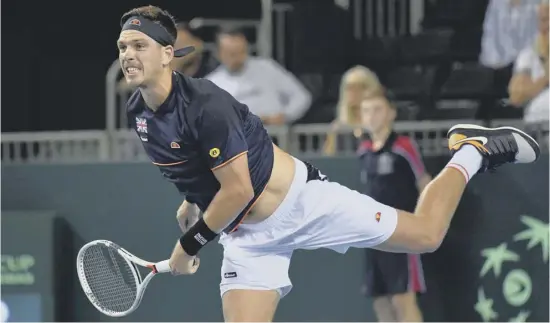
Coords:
233,51
376,114
141,58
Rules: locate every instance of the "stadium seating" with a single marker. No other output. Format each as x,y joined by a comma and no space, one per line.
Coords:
467,93
427,48
468,81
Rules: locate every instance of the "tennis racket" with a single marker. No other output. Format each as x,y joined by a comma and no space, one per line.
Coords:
110,277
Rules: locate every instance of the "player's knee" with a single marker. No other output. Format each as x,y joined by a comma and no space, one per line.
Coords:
436,241
432,244
424,244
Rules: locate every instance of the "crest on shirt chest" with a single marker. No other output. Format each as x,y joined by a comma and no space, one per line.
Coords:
385,164
141,128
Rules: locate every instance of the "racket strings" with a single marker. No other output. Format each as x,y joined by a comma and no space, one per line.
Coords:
111,278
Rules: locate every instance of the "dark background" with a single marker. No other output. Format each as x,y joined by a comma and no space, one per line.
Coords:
55,55
131,205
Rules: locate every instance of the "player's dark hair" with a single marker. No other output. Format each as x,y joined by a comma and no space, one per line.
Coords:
155,14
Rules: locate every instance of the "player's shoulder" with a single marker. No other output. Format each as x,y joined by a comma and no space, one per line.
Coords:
201,87
205,95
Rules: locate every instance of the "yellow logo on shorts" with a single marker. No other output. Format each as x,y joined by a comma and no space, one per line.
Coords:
378,216
214,152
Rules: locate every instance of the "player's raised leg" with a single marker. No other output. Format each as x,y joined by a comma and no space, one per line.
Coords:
475,149
356,220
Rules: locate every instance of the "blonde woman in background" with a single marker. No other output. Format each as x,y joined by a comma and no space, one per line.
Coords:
355,83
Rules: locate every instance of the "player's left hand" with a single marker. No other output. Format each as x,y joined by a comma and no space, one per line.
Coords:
181,263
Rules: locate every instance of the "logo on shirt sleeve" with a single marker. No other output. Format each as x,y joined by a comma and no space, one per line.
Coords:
214,152
378,216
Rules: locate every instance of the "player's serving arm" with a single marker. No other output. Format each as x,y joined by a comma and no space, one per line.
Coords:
223,145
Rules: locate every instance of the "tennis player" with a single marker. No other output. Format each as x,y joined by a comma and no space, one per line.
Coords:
262,202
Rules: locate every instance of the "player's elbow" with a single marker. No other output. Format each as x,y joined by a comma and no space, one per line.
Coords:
430,239
432,243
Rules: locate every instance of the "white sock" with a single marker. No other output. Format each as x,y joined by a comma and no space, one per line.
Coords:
467,160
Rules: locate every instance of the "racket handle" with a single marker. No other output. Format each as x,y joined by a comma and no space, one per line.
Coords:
163,266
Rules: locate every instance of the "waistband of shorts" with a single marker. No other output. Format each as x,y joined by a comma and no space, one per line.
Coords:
283,210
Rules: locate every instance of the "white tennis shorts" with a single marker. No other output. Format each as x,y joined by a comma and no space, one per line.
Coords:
316,214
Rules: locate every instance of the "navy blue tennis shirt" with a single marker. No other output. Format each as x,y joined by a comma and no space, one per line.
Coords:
199,128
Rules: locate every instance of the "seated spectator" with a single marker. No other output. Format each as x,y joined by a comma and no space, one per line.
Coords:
508,28
355,83
529,84
269,91
197,64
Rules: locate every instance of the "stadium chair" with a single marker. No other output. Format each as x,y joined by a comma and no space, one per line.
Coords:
325,92
503,110
410,88
376,53
466,94
319,112
454,14
428,48
408,83
316,45
468,81
466,45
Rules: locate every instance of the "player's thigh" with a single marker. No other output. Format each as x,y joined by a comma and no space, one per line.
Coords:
245,305
337,217
252,284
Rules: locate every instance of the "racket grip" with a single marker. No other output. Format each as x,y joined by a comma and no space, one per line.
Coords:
163,266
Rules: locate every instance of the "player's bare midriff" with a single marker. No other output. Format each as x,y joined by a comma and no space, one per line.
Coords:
276,189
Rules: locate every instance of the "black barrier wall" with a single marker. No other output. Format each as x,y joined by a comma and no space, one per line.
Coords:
493,265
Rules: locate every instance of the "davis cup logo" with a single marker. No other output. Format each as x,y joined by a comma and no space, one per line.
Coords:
517,286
